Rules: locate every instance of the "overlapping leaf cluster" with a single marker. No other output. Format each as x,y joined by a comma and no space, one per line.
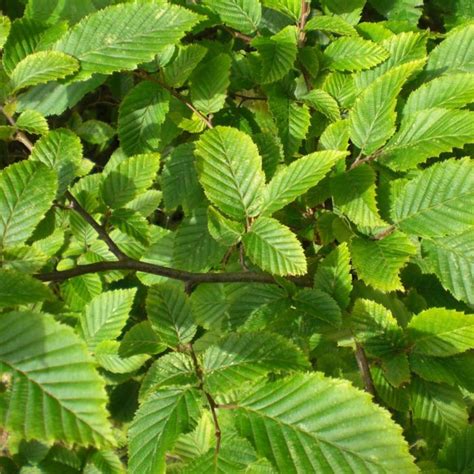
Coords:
236,236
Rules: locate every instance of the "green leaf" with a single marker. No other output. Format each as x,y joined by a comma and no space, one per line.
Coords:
19,288
230,171
238,358
354,195
399,10
242,15
277,54
60,150
452,260
209,83
32,122
379,262
178,71
427,134
291,8
157,423
42,355
122,36
140,339
323,102
372,119
131,223
439,201
438,410
353,54
107,356
225,231
141,114
105,316
349,10
169,312
448,92
294,180
333,275
337,424
95,132
41,67
457,454
80,290
5,26
441,332
129,179
331,24
172,369
27,190
274,248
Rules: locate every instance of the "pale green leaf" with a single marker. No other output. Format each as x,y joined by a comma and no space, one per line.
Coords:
60,150
439,201
178,71
107,356
5,26
238,358
209,83
312,423
46,359
291,8
141,114
449,92
18,288
140,339
333,275
277,54
331,24
354,195
32,122
452,260
157,423
131,223
441,332
122,36
335,136
105,316
41,67
354,54
225,231
169,312
242,15
131,177
80,290
372,119
323,102
294,180
230,171
274,248
27,190
427,134
378,262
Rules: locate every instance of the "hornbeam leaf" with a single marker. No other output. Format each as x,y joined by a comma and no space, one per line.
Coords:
331,24
297,178
230,171
323,102
120,37
312,423
17,288
291,8
160,419
105,316
32,122
452,260
354,54
441,332
439,201
5,26
107,356
427,134
242,15
274,248
225,231
141,114
41,67
238,358
378,262
46,359
178,71
27,190
169,312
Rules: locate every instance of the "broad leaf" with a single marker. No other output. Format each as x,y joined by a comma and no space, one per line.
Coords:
108,357
178,71
44,358
331,24
323,102
140,339
242,15
337,424
32,122
27,190
274,248
230,171
439,201
225,231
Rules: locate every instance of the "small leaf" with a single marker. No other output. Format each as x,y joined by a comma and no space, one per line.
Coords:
274,248
331,24
178,71
223,230
140,339
32,122
131,223
323,102
107,356
242,15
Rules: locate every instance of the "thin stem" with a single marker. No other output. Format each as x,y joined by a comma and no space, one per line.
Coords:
19,136
178,96
364,369
305,9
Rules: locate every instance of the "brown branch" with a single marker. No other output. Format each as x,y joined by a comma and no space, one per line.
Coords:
305,10
364,369
177,95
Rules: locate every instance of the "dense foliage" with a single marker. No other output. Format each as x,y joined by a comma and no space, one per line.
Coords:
236,236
